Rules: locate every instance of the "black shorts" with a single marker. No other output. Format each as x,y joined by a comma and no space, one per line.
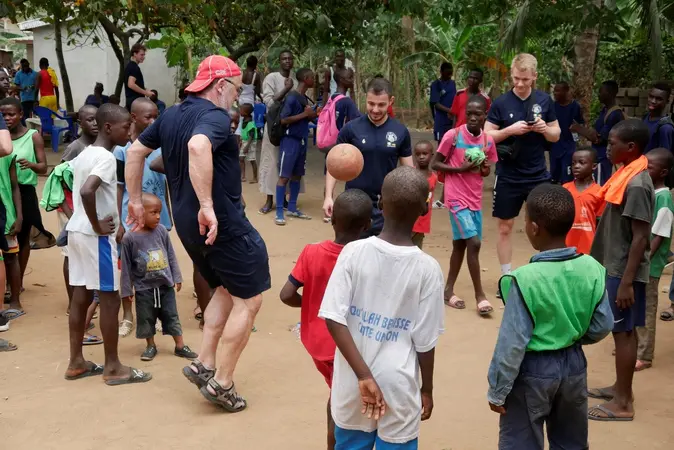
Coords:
31,213
239,264
510,196
153,304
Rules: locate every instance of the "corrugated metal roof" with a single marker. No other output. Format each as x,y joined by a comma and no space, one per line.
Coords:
32,24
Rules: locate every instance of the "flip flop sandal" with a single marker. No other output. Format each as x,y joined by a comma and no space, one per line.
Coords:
455,302
91,326
264,210
299,215
92,371
280,222
228,399
667,315
91,340
199,378
12,313
198,315
610,416
136,376
125,328
600,393
6,346
484,308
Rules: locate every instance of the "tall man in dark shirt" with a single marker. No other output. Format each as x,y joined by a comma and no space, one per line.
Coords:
383,141
134,84
201,160
521,122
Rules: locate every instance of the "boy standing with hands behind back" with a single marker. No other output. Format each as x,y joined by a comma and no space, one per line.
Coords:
386,325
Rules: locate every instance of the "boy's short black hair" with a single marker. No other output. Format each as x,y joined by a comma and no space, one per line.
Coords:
140,102
663,154
664,87
633,130
551,207
111,113
404,192
86,108
44,63
380,86
302,74
563,84
286,50
11,101
251,61
478,70
611,86
352,210
446,66
588,149
23,61
478,99
424,142
245,107
339,74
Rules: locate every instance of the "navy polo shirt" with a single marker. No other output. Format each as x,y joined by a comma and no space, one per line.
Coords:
345,111
566,116
294,105
172,131
381,147
442,92
603,126
529,166
664,136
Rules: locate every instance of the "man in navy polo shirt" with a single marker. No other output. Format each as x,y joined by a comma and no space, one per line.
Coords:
383,141
522,122
201,158
443,91
568,112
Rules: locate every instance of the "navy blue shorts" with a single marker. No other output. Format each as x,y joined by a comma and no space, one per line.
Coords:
627,319
560,168
510,196
440,130
603,172
292,157
239,264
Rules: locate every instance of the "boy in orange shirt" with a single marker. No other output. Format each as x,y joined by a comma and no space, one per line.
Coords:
588,202
423,154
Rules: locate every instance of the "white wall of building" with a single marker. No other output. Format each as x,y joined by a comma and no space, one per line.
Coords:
88,63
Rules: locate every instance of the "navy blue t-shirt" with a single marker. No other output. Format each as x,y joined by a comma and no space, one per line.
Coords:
132,70
529,165
3,125
603,126
566,116
294,105
381,147
442,92
172,131
663,138
345,111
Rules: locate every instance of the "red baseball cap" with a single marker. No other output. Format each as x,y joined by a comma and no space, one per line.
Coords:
213,68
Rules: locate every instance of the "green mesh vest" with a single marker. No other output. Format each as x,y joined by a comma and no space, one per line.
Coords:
561,297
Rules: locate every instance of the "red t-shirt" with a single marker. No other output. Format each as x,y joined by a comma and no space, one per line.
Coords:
459,106
45,85
423,223
589,205
312,272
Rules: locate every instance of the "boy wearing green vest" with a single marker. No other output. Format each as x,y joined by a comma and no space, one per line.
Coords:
553,305
11,199
660,162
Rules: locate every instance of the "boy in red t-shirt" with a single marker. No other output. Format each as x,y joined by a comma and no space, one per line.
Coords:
589,204
423,154
350,218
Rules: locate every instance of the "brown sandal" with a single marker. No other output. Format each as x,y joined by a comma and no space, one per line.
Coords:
228,399
201,376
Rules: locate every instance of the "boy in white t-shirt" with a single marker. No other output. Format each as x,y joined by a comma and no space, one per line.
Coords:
384,308
92,249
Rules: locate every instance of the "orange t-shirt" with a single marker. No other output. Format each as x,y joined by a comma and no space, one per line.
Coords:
589,205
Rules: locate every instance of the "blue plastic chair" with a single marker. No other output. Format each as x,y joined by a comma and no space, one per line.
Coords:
47,125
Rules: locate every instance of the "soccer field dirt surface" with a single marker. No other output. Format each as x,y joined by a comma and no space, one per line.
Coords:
286,395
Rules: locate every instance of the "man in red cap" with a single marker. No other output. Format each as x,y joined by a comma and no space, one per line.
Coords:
201,157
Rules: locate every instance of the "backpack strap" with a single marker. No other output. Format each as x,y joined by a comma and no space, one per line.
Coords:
613,109
455,141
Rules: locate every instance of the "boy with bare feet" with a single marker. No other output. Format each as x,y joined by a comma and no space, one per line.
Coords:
464,156
92,250
621,245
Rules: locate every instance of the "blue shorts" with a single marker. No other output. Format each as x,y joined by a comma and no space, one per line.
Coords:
292,157
466,224
627,319
560,168
440,130
603,171
362,440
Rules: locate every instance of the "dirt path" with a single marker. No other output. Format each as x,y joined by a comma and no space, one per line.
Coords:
286,395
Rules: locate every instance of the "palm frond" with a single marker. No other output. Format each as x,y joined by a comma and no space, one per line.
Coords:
514,34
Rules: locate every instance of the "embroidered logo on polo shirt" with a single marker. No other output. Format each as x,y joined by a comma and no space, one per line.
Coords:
536,109
391,139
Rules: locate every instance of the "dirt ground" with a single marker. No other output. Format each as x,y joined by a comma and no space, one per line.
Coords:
286,395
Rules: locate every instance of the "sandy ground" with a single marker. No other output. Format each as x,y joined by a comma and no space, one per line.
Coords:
286,395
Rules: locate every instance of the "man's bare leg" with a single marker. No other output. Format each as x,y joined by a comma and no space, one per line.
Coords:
504,245
215,317
235,337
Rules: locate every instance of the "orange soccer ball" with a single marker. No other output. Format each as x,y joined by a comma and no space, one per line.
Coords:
344,162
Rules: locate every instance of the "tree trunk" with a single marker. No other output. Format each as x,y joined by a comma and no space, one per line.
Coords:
65,79
585,56
357,81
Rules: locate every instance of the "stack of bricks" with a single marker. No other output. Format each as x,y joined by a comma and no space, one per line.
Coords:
633,101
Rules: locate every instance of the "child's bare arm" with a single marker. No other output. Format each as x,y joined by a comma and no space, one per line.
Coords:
441,164
290,296
16,198
157,165
340,333
640,234
656,242
88,194
426,364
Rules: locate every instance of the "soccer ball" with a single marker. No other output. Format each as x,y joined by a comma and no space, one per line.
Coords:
475,155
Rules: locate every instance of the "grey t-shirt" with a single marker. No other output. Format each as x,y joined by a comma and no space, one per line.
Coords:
73,150
612,242
148,261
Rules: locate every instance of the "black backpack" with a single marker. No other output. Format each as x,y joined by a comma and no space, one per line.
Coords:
274,127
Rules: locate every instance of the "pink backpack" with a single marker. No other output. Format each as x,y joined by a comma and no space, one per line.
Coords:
326,129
